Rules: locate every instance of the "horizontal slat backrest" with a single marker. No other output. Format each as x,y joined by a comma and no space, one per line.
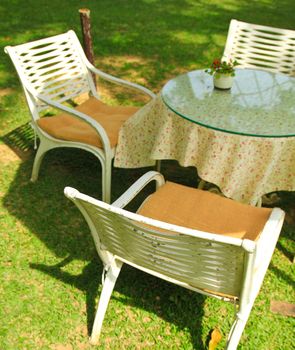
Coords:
262,47
52,66
201,263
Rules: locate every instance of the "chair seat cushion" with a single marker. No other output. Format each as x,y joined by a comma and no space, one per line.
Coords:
66,127
204,211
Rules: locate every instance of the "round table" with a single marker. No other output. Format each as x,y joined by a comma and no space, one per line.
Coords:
242,139
259,103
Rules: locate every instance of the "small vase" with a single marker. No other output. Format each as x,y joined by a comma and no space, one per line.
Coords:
223,81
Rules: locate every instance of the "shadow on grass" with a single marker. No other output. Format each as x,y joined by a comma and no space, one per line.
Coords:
137,290
20,140
288,253
88,281
282,275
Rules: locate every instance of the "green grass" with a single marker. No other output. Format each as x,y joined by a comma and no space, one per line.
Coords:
50,273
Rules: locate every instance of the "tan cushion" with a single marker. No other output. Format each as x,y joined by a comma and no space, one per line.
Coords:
66,127
205,211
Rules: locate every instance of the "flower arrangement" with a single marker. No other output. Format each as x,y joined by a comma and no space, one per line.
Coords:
222,67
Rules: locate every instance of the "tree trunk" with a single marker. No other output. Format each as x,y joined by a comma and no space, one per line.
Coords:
87,40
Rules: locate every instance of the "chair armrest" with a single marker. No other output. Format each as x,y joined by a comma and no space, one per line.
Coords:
92,122
269,236
119,81
266,245
132,192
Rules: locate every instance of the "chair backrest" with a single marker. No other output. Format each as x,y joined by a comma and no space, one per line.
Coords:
261,47
193,259
53,67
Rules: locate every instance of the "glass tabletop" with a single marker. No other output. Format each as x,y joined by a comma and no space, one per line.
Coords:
259,103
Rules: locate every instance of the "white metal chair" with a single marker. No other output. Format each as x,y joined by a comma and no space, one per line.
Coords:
261,47
55,70
193,238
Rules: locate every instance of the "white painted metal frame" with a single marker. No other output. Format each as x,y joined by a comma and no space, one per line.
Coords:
261,47
200,261
52,71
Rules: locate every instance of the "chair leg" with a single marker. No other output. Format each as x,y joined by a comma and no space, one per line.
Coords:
106,181
42,149
238,328
158,166
202,184
107,289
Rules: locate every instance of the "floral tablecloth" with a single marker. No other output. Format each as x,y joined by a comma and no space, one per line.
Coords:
243,167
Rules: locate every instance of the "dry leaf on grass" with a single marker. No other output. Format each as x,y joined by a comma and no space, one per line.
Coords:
215,339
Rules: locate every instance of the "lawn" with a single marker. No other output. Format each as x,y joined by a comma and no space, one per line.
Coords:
50,272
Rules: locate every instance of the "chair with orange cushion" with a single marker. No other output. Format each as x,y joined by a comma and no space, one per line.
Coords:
193,238
54,71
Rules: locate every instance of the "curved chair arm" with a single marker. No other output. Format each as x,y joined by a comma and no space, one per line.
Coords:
92,122
132,192
104,75
119,81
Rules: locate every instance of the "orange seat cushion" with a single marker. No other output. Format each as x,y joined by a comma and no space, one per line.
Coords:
66,127
204,211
